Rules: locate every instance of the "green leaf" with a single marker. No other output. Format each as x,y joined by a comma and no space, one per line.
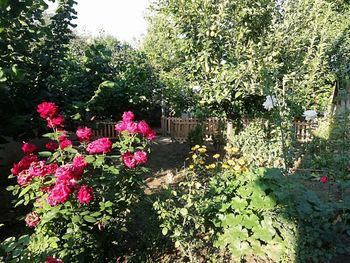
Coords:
89,159
45,154
89,219
183,211
164,231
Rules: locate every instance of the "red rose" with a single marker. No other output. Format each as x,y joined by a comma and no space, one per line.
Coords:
79,165
85,194
50,259
23,164
102,145
84,134
324,179
29,148
65,143
47,109
57,121
24,178
51,146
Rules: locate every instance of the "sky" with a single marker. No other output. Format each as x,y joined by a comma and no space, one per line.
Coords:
123,19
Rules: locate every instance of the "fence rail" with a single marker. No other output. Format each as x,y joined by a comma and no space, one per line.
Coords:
179,128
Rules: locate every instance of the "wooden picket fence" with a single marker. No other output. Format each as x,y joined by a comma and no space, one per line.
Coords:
179,128
303,130
105,129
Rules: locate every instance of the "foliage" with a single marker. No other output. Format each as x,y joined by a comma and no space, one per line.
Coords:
109,78
81,196
258,213
195,136
238,51
33,46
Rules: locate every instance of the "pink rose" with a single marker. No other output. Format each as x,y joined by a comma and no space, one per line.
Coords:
128,116
51,168
65,173
79,165
131,127
47,109
59,194
144,128
24,178
102,145
32,219
120,127
65,143
29,148
324,179
140,157
85,194
37,169
84,134
51,146
50,259
57,121
129,160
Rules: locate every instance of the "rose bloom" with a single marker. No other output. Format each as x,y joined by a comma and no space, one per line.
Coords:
51,168
120,127
57,121
50,259
37,169
29,148
65,173
324,179
150,136
24,178
84,134
140,157
128,116
32,219
23,164
129,160
59,194
65,143
79,165
131,127
47,109
85,194
102,145
63,134
51,146
146,131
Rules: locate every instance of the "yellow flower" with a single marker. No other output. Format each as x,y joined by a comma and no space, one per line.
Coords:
210,166
234,150
191,167
195,147
216,156
237,167
194,156
225,166
241,162
201,162
231,162
202,150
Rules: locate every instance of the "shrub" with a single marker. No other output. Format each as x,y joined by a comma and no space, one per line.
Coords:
249,213
80,195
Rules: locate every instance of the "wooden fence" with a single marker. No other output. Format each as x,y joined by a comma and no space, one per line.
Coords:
179,128
105,129
303,130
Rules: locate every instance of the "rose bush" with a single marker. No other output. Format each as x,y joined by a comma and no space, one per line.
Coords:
81,194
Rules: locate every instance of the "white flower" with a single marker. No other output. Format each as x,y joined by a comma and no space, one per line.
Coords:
310,115
196,89
270,102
